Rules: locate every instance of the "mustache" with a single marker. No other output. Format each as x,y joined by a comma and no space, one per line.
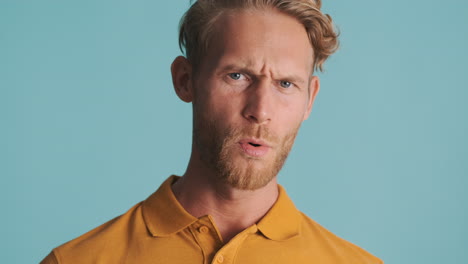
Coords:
235,134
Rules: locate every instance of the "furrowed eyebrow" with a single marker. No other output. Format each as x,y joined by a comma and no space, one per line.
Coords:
293,79
245,69
236,68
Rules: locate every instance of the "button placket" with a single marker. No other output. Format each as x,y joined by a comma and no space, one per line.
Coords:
203,229
220,258
205,235
227,254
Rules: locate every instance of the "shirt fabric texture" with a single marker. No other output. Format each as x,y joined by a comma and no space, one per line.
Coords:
159,230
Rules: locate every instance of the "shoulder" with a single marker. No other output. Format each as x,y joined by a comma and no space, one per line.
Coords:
331,245
111,237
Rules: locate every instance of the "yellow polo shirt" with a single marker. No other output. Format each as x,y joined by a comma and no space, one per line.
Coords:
159,230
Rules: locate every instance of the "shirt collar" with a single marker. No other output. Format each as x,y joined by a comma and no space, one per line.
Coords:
164,215
283,220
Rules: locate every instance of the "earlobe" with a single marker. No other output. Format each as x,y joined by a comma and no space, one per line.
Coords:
314,88
181,70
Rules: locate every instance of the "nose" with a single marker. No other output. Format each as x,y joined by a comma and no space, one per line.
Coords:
259,104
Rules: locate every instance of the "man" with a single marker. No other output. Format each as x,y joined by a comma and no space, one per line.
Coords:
249,76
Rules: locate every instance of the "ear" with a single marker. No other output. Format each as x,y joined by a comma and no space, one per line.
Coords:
181,70
314,87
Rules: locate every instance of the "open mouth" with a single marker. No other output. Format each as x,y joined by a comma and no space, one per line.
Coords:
254,148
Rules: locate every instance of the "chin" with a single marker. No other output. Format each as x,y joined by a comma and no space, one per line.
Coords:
246,173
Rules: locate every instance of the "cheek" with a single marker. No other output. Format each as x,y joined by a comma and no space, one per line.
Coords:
292,108
223,110
222,100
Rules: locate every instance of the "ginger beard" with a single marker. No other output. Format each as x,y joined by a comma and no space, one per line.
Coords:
219,149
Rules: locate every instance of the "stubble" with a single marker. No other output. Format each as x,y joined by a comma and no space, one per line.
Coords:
218,147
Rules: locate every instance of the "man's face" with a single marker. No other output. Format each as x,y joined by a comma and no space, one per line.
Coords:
251,93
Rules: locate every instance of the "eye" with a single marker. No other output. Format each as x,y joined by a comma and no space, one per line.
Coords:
285,84
235,75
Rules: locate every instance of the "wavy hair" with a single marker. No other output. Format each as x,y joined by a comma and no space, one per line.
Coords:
196,26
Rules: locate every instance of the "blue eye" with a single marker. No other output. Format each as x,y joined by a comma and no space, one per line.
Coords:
235,75
285,84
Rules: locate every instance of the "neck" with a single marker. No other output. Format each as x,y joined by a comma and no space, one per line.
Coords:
233,210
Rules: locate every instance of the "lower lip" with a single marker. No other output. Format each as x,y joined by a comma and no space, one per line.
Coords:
250,150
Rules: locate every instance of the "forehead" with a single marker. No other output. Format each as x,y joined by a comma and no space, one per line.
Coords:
259,39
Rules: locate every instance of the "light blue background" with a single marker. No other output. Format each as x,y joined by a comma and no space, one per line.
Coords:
90,124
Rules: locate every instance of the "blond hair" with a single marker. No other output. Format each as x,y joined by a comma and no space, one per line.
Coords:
196,26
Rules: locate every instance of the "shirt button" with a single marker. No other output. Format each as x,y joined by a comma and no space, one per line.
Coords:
203,229
220,258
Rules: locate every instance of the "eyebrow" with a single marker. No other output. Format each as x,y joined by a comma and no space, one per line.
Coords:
245,68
